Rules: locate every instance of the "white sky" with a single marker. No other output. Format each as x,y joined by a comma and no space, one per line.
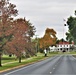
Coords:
46,14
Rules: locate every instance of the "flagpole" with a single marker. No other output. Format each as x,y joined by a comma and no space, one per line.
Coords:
64,32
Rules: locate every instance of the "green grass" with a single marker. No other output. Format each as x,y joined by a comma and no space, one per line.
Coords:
53,53
7,59
14,64
72,52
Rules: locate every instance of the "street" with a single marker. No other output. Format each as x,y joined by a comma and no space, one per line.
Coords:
57,65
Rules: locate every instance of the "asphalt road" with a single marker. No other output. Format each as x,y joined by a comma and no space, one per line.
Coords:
58,65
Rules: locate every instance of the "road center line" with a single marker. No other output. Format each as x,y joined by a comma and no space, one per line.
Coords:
54,68
50,72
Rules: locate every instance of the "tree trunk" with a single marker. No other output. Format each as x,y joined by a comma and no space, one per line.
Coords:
0,60
19,59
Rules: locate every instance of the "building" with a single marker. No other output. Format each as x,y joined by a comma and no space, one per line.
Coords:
64,46
53,48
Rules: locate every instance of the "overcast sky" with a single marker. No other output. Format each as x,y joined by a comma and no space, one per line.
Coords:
46,14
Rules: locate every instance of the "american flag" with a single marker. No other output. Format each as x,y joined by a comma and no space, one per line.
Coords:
64,20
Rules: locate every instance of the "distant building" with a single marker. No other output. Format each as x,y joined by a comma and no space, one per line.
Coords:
53,48
64,46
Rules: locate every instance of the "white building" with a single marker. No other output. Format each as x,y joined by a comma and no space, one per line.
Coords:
64,46
52,49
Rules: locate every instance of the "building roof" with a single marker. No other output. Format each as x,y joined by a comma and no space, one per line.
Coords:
65,42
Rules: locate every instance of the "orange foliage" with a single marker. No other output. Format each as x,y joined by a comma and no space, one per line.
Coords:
48,39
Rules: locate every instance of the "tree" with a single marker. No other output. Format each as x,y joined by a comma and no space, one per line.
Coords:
69,37
20,42
31,30
14,34
71,22
17,44
30,46
6,11
48,39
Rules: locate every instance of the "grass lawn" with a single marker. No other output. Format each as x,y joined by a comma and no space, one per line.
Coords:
14,64
10,62
72,52
6,58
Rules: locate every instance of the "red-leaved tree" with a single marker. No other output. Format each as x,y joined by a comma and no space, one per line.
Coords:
20,41
6,11
14,34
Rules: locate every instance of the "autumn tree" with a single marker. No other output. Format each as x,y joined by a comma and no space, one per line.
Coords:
6,11
48,39
17,44
15,35
20,42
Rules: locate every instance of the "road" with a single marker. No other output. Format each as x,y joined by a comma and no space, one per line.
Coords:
57,65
